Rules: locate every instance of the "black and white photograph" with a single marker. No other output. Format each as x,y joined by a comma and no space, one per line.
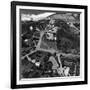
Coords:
49,45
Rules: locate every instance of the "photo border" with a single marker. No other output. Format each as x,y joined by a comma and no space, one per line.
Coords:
13,44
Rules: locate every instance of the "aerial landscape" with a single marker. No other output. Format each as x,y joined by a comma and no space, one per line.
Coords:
49,44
